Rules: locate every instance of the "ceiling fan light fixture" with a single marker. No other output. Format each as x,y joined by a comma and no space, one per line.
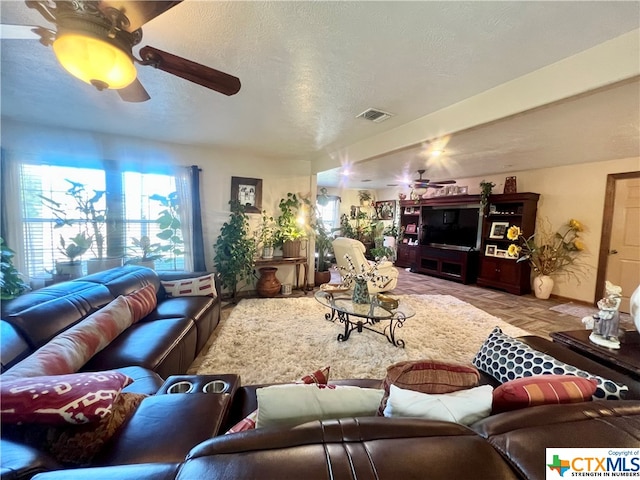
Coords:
94,61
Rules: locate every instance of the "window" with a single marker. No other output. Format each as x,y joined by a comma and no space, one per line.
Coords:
128,200
329,210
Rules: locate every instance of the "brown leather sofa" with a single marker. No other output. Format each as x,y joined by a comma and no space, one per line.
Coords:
509,445
177,436
166,341
503,446
162,344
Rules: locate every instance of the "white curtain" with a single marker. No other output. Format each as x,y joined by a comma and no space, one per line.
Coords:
13,231
183,187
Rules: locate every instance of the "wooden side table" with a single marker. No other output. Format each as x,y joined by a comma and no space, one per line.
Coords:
625,360
296,261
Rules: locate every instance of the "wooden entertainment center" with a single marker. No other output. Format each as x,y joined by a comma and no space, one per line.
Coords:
447,237
452,254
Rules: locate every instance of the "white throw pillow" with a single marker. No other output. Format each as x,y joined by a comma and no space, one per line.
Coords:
463,407
290,405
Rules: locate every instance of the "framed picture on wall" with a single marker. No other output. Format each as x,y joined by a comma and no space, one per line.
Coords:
498,230
385,209
247,191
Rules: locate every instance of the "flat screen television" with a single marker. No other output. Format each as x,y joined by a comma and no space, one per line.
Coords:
450,226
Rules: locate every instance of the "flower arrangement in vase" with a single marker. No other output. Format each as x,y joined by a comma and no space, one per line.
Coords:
351,276
549,253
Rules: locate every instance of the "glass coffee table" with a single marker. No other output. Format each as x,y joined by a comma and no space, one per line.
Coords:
356,316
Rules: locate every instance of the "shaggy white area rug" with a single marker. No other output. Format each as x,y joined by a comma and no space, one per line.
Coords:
280,340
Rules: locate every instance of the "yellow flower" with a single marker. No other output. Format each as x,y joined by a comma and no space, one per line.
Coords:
514,232
575,225
513,250
578,245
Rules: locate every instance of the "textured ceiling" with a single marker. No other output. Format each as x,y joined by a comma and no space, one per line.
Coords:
308,68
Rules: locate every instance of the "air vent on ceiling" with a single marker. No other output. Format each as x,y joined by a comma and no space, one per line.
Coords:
375,115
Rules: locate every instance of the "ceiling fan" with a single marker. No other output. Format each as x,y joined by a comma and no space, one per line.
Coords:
93,40
423,183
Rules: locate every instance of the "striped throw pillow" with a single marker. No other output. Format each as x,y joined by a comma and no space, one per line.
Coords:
142,302
542,390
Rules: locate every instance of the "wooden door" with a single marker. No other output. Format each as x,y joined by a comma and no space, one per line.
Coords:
622,250
623,266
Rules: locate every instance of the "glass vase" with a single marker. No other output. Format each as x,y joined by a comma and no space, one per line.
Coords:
360,292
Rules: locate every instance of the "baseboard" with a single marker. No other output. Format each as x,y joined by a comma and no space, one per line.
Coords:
571,300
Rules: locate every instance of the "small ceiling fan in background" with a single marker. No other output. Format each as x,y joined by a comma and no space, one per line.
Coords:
93,40
424,183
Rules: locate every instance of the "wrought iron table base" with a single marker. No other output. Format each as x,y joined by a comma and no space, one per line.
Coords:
389,331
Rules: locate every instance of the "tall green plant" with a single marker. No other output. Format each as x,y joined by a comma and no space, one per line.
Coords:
93,218
323,243
170,226
234,249
288,226
11,283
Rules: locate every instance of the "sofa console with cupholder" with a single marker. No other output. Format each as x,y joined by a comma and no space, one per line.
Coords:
186,410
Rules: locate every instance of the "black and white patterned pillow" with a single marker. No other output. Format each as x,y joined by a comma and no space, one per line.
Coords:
506,358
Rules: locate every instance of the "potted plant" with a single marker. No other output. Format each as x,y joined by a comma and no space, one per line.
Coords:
549,253
234,249
290,229
74,248
148,252
11,283
323,247
93,221
266,235
485,191
365,198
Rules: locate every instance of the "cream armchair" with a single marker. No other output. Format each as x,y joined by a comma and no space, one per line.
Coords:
356,249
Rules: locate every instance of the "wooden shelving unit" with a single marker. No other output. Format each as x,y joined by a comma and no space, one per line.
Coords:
497,270
408,247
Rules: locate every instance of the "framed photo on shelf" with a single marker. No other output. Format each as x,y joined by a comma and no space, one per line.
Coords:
490,250
501,253
408,210
498,230
411,228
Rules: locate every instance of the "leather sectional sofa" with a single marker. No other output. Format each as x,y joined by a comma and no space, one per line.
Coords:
166,341
179,435
163,343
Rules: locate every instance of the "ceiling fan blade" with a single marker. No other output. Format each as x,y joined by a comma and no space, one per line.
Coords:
134,93
19,32
138,12
444,182
192,71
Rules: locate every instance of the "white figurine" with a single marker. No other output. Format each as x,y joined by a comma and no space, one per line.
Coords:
607,321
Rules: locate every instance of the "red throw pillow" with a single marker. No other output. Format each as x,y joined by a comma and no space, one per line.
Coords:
75,444
542,390
61,399
142,302
428,376
319,377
